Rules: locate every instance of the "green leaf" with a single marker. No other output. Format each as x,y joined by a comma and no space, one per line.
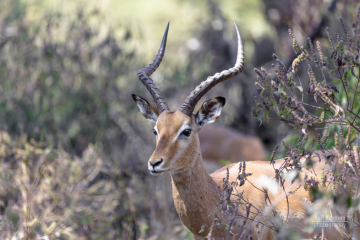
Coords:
280,88
267,114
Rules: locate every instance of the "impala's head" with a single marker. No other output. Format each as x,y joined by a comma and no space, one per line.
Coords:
177,142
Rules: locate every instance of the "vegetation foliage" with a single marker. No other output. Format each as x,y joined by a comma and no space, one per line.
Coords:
70,160
327,100
46,192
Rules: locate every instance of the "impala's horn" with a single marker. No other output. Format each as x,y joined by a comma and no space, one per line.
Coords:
189,104
145,73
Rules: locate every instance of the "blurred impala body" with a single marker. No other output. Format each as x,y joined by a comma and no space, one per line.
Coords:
221,143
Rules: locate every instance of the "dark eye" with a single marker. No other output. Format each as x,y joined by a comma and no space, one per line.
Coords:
186,132
155,133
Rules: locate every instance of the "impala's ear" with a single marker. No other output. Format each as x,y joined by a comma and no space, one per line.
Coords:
209,111
148,109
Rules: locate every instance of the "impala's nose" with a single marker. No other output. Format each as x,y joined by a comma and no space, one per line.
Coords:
155,167
157,163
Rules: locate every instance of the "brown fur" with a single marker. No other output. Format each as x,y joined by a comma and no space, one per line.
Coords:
297,211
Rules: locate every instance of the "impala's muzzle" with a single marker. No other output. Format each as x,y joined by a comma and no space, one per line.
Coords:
155,168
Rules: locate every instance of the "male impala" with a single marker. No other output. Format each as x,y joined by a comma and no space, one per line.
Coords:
177,152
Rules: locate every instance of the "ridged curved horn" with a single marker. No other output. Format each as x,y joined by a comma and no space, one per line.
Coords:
189,104
145,73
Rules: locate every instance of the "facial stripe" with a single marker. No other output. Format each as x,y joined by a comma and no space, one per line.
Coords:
185,125
155,128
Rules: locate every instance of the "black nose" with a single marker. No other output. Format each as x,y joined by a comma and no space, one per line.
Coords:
156,163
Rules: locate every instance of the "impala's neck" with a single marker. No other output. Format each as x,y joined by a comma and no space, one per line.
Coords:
195,195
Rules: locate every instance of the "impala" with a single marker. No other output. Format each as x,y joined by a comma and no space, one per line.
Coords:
195,191
219,143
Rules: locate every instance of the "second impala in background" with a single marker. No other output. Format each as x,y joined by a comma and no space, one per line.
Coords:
221,145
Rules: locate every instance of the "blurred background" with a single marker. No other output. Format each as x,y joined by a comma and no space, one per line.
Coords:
74,145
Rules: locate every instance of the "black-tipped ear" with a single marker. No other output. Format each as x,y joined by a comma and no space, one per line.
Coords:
209,111
221,100
148,109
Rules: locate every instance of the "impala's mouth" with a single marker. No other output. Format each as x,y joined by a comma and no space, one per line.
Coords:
157,172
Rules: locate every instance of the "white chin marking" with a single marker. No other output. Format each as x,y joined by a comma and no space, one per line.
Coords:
156,173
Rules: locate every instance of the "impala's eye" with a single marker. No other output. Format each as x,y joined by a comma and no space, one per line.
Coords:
186,132
155,133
